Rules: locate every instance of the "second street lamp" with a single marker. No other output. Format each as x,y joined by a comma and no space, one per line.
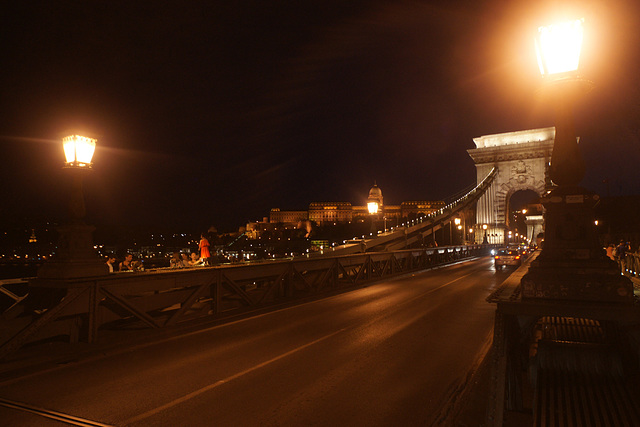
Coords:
373,208
373,212
457,222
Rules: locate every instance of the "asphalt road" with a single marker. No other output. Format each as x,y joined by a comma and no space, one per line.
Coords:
393,353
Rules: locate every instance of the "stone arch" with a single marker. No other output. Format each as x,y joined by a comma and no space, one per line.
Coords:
506,190
521,159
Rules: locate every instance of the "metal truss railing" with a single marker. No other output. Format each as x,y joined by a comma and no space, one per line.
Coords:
80,308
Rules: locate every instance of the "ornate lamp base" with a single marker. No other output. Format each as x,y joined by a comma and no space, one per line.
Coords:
572,264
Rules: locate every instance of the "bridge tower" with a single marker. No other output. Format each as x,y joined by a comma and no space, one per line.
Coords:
522,161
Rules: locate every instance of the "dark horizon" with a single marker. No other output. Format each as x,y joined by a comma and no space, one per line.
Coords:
210,113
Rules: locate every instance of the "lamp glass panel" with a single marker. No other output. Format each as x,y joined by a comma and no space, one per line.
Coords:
558,47
85,147
78,149
69,147
373,207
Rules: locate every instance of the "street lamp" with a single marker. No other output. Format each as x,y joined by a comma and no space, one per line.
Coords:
571,264
558,48
75,255
373,208
485,240
373,211
78,150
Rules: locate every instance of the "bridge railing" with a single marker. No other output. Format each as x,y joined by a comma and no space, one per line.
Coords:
419,229
412,233
80,308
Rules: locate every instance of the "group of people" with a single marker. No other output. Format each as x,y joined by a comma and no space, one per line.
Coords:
127,264
177,260
183,260
628,261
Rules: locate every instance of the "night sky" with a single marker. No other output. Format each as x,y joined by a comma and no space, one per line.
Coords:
211,113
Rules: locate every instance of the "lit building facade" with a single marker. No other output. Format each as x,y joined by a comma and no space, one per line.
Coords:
278,215
330,212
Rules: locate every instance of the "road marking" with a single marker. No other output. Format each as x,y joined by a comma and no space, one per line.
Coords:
452,281
54,415
263,364
224,381
433,290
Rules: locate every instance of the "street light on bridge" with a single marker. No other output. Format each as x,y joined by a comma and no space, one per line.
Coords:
75,255
373,208
78,150
373,212
571,264
558,48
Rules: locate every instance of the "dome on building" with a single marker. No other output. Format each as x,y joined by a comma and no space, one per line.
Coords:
375,192
375,195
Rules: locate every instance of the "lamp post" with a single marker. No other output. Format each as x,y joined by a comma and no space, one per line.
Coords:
457,222
75,255
571,265
373,212
485,240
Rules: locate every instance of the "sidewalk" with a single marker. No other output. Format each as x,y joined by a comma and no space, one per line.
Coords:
470,409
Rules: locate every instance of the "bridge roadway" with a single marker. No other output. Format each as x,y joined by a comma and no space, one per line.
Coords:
392,353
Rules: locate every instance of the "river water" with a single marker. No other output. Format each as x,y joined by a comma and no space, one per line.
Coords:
14,271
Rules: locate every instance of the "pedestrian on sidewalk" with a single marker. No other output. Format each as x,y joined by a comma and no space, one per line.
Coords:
205,255
621,255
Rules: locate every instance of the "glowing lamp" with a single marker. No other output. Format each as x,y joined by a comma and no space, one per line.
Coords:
484,226
457,221
373,208
558,47
78,150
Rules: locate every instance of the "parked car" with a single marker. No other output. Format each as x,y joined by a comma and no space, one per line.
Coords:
507,256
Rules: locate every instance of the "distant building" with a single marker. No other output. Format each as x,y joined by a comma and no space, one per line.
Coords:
330,212
342,212
277,216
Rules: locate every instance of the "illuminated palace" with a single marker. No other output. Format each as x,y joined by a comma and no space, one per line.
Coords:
325,213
